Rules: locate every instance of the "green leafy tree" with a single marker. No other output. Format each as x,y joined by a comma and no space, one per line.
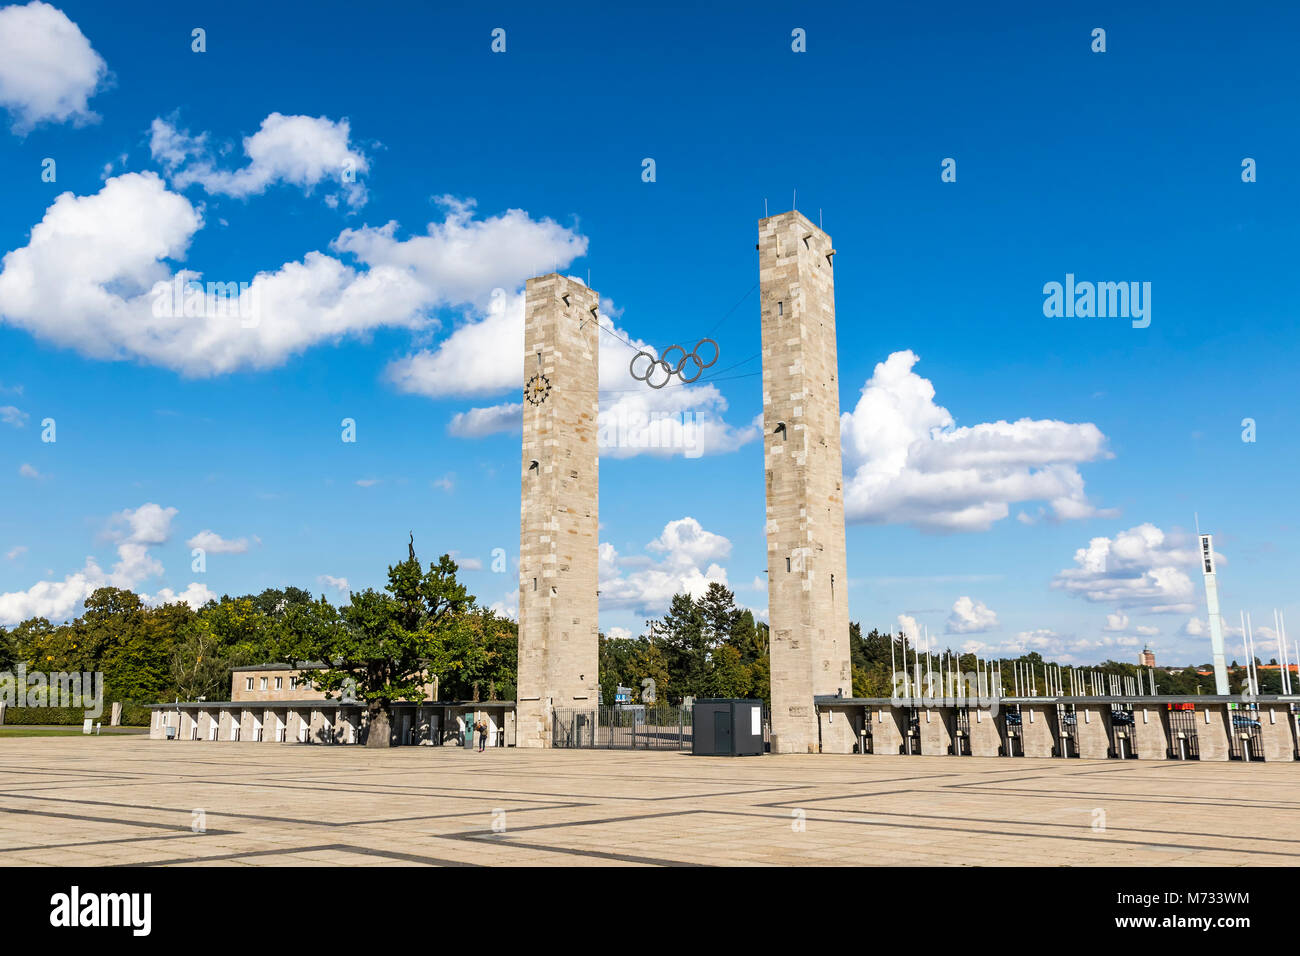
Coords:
394,640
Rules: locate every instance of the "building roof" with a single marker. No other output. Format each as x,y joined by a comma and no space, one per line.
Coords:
305,666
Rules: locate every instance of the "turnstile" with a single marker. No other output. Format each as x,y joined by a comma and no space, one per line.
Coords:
911,745
1123,744
1244,741
1183,744
1067,731
1011,729
960,731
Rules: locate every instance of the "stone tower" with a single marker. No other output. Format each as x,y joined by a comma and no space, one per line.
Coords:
806,575
558,544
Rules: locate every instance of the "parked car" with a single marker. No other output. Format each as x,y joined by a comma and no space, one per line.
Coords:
1013,719
1241,720
1122,717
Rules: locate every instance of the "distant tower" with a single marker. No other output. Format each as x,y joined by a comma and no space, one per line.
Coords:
1212,606
558,524
1147,658
806,567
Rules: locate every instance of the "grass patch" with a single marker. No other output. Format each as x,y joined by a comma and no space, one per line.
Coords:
62,732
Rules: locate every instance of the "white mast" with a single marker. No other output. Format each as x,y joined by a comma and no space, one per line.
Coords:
1216,621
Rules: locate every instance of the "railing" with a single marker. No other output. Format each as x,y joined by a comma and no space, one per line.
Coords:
623,727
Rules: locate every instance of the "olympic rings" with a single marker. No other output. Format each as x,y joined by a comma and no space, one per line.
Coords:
670,370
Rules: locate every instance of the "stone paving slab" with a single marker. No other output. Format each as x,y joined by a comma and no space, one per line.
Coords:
132,801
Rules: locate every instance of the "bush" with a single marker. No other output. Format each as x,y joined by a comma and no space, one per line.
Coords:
133,715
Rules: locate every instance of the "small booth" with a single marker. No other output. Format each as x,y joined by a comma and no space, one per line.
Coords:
727,728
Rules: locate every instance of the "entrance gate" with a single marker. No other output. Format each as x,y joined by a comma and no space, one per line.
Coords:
1244,741
1121,733
623,727
960,733
1009,728
1067,724
911,745
1182,733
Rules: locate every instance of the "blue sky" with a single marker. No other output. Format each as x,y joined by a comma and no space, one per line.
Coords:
1069,535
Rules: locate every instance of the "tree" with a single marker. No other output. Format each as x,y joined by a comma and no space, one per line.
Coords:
394,640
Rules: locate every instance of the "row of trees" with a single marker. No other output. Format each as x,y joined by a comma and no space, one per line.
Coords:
385,645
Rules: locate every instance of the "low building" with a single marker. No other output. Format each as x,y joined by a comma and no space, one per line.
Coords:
278,703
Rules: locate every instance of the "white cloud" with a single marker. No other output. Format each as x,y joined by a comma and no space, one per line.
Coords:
970,617
618,634
17,551
135,531
1146,630
906,461
446,483
11,415
1116,622
196,595
688,564
301,151
48,69
336,584
909,628
27,471
478,422
95,268
368,482
1139,568
1195,627
213,543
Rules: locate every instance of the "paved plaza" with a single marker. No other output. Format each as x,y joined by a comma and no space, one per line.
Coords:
103,801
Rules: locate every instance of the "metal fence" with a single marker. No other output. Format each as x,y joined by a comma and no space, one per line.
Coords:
623,727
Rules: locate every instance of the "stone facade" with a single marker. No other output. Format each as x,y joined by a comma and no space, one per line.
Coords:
1093,727
558,523
1038,728
1151,731
936,734
806,565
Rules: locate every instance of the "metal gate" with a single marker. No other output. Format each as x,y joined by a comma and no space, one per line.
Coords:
623,727
1244,742
961,733
573,729
911,745
1122,741
1067,726
1009,727
1183,744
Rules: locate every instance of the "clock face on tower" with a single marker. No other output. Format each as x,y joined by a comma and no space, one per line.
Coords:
538,387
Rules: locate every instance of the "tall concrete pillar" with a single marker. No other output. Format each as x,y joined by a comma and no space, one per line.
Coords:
558,524
806,567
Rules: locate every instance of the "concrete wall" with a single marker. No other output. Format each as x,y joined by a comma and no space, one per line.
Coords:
1038,725
803,474
886,730
1276,732
936,736
1151,731
985,741
558,525
1093,727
